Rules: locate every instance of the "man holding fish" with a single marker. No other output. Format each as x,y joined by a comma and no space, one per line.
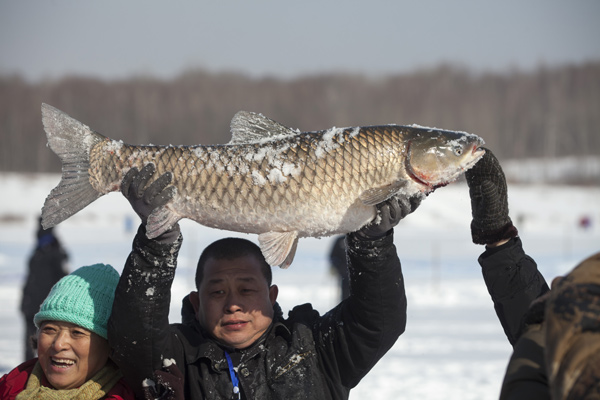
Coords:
234,341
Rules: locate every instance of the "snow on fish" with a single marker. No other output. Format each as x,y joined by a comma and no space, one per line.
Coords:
270,180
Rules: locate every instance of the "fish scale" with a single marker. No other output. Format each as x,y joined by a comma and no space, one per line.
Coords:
269,180
316,184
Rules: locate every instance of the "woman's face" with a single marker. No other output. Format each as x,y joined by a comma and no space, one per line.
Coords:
69,354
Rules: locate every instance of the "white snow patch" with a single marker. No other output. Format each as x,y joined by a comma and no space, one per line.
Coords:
148,383
199,152
114,145
431,129
328,142
290,169
167,362
276,176
258,178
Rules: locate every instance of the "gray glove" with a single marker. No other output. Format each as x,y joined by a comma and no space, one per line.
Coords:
489,202
389,214
144,199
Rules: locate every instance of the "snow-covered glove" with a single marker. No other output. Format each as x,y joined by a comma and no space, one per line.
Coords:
489,201
144,199
167,384
389,214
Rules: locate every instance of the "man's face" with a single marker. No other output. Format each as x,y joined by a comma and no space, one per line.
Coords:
235,302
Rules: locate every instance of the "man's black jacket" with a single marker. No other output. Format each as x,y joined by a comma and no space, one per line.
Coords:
513,281
306,356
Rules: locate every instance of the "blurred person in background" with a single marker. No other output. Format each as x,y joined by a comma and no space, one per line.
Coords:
338,265
73,361
46,266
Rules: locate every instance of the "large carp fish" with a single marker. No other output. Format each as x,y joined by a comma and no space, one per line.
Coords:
270,180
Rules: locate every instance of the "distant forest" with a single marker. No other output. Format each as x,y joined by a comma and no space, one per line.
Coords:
550,112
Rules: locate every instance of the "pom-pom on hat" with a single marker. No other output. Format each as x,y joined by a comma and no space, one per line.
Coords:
84,297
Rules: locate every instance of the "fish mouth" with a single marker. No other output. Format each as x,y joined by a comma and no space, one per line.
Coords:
477,149
477,153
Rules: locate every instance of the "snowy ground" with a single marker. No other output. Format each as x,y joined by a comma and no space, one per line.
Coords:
453,348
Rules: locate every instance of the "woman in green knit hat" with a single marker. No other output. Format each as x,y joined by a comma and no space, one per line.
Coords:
73,353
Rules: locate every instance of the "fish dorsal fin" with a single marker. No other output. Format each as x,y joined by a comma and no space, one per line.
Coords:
279,248
373,196
248,127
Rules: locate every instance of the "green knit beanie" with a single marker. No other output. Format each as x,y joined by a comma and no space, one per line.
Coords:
84,298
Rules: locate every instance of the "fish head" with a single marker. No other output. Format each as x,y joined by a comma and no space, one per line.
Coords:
437,157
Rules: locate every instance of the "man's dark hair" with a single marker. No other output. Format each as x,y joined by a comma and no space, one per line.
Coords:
229,249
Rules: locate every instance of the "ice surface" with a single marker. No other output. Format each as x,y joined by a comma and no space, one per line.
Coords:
453,347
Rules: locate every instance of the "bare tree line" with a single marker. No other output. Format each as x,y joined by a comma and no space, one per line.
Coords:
550,112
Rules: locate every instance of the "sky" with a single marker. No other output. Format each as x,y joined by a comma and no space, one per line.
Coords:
113,39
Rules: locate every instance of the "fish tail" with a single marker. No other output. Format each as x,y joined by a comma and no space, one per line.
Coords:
71,141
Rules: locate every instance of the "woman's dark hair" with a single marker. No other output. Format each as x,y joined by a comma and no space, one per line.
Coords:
229,249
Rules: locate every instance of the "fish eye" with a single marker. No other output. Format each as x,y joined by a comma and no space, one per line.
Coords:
457,151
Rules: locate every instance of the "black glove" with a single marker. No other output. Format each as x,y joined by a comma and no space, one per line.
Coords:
389,214
489,202
144,200
166,384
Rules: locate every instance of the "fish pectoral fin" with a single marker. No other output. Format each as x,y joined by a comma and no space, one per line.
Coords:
373,196
248,127
160,220
279,248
